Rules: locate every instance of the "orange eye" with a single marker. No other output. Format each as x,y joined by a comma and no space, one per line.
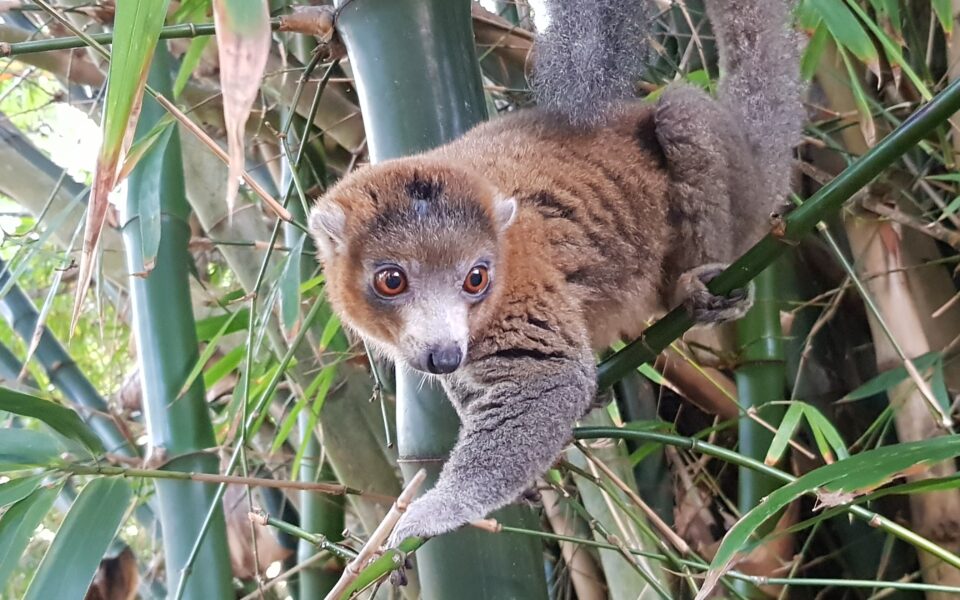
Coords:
390,282
477,280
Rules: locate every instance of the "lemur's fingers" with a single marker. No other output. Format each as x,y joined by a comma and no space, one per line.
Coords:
706,307
509,436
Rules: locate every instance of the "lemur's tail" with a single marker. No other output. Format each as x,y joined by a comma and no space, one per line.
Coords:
591,56
593,52
760,80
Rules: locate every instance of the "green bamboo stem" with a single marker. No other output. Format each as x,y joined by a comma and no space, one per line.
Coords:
694,445
170,32
317,540
760,377
313,487
419,85
797,224
179,425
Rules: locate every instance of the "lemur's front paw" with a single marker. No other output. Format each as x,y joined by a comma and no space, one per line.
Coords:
430,516
706,307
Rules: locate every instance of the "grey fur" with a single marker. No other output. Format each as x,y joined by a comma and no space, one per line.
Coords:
591,56
515,420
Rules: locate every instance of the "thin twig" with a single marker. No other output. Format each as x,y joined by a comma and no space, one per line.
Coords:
378,537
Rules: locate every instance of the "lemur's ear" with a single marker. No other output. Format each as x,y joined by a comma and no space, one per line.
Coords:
504,211
328,225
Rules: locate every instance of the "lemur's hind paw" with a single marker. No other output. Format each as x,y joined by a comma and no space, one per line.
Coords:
706,307
399,575
530,497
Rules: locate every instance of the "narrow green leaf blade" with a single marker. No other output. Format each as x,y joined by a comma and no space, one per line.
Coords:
17,525
851,477
886,380
71,561
16,490
21,448
782,438
60,418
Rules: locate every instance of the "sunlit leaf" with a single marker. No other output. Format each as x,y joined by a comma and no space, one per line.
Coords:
944,12
207,354
60,418
788,425
224,366
848,31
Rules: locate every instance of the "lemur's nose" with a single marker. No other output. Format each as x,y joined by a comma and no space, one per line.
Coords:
444,359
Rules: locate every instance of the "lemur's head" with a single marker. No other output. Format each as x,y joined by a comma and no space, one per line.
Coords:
411,252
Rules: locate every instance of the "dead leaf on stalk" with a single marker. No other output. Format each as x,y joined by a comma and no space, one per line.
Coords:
136,34
105,179
243,43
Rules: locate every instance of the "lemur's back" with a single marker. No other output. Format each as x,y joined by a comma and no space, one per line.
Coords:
593,204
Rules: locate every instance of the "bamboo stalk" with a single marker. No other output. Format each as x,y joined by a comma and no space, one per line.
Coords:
166,352
397,49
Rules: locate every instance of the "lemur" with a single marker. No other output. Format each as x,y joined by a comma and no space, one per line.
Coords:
499,262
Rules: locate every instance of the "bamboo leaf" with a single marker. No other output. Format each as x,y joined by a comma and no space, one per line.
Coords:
191,59
135,34
211,326
205,356
811,56
16,490
886,380
60,418
18,524
224,366
140,147
791,419
194,11
848,31
290,288
838,483
320,385
329,331
318,402
893,51
944,12
71,561
950,209
867,126
824,430
20,448
243,42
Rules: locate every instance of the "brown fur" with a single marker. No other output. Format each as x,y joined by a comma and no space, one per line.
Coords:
587,231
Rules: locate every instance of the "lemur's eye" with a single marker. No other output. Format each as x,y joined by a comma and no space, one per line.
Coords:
390,281
477,280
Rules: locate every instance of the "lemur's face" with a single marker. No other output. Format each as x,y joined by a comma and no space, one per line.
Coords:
411,255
